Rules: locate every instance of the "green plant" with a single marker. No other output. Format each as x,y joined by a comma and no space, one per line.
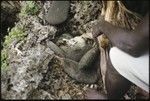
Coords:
15,33
30,8
4,60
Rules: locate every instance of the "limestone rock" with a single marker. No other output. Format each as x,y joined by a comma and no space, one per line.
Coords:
57,12
40,94
75,48
26,72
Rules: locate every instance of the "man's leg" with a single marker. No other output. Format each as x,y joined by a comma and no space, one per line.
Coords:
116,85
136,70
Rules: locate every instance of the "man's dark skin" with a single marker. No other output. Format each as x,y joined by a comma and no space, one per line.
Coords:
134,42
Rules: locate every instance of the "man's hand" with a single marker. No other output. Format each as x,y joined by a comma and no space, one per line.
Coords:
134,42
97,28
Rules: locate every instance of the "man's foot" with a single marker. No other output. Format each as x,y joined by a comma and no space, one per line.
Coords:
141,94
93,94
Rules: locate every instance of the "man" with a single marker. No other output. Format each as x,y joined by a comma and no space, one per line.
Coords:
128,58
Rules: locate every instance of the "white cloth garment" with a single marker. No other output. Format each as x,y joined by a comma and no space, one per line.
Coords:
134,69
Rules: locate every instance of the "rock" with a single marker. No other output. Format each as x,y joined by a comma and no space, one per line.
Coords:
37,33
66,96
83,13
9,10
61,40
65,36
87,11
39,94
57,12
57,85
26,72
27,68
75,48
4,84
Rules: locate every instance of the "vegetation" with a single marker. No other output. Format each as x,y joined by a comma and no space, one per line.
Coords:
17,32
30,8
4,61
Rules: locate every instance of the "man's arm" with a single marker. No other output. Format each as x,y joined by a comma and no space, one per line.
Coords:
133,42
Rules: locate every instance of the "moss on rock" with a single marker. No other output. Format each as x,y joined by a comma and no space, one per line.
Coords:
29,8
15,33
4,61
